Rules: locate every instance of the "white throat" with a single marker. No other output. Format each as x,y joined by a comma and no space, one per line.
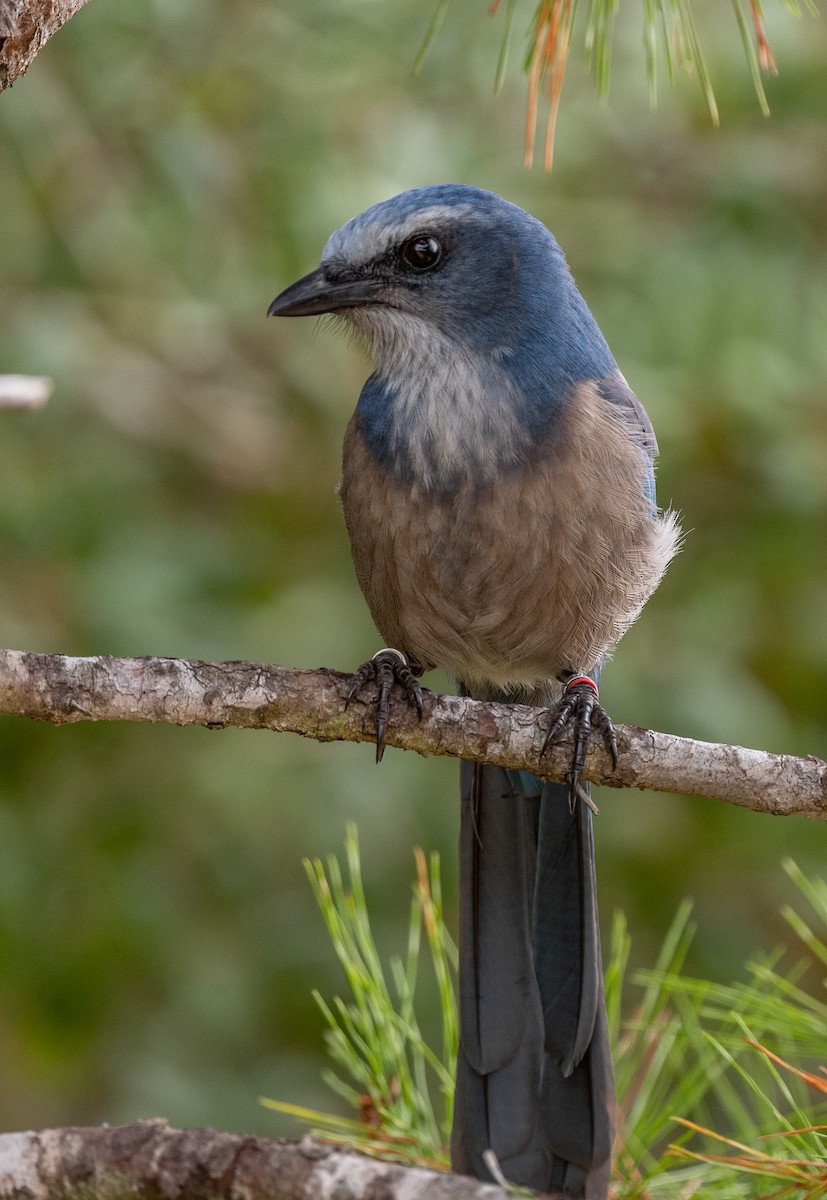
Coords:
453,414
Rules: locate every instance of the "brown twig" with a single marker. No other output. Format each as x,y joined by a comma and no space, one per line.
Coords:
56,688
25,27
150,1161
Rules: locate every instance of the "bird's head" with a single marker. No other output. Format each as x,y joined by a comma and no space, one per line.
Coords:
477,330
448,261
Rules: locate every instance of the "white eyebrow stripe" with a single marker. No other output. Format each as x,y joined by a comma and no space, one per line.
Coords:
365,238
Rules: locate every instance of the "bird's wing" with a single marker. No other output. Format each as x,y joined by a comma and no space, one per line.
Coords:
616,390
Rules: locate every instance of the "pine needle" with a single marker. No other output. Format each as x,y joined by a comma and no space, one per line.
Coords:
669,28
722,1056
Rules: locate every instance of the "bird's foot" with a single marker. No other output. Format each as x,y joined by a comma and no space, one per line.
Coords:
579,708
386,668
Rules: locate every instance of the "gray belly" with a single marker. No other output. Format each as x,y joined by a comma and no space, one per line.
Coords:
510,586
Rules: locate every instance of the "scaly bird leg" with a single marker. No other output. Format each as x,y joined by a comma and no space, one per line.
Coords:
387,667
579,707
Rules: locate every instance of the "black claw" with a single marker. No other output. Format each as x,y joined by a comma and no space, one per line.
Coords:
579,707
386,668
366,671
602,722
384,677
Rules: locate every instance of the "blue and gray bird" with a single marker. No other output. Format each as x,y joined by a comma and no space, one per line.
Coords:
498,491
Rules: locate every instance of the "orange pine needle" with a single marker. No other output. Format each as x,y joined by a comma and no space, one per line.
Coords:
799,1170
719,1137
534,88
814,1081
423,886
765,55
548,66
794,1132
557,77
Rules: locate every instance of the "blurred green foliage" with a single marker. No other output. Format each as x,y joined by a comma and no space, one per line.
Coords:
165,169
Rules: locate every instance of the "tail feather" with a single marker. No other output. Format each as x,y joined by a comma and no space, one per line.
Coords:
497,847
566,933
578,1109
534,1077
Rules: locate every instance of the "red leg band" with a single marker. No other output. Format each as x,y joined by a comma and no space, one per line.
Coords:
582,679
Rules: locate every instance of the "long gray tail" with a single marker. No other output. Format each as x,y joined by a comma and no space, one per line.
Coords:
534,1073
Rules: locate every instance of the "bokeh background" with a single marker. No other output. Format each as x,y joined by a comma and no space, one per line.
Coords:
165,169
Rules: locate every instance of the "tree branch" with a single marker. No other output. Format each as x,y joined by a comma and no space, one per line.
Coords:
24,391
56,688
150,1161
25,27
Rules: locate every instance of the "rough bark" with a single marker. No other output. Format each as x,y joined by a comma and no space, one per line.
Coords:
150,1161
26,26
56,688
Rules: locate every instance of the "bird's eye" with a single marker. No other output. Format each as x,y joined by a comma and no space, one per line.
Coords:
422,252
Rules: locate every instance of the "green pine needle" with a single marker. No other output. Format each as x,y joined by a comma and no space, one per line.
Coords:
430,35
748,38
669,29
682,1046
505,45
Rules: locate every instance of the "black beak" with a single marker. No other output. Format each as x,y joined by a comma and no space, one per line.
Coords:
322,291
